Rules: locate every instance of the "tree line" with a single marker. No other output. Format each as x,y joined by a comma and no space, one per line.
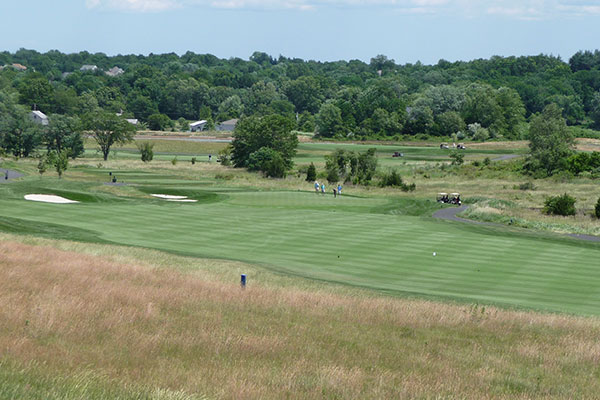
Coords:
479,99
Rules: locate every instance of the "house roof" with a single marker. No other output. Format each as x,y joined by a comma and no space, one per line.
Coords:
40,114
229,122
114,71
19,66
198,123
132,121
88,67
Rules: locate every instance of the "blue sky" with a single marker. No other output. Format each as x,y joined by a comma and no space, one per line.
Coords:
404,30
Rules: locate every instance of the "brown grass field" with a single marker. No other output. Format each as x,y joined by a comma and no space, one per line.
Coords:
141,318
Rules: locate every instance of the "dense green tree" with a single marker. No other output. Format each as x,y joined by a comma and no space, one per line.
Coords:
311,173
305,93
329,121
159,122
268,161
108,129
35,90
271,131
19,135
63,133
550,142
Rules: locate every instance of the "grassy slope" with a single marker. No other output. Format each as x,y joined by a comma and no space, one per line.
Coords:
358,241
98,321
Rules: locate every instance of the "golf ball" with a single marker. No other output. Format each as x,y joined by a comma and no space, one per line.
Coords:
434,253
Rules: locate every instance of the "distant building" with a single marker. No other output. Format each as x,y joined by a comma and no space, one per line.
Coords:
88,68
19,67
228,125
115,71
132,121
39,117
198,126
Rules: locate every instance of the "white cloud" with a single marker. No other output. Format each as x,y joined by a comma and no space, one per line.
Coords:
515,9
134,5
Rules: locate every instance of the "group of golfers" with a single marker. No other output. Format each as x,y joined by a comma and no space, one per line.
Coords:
321,188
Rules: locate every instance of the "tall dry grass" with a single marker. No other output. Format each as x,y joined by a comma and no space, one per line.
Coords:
169,329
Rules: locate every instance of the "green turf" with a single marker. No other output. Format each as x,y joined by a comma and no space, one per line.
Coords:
384,244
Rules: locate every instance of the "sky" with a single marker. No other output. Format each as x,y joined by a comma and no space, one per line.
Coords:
326,30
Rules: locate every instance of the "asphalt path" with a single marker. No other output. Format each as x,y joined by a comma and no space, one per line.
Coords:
7,175
450,214
506,157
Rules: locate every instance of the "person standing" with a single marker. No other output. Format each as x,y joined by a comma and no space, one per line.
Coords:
334,192
339,190
323,188
317,186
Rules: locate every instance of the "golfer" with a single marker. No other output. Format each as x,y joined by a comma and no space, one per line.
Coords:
323,188
317,187
339,190
334,192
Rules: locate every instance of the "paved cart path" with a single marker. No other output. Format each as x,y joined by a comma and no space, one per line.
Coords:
450,214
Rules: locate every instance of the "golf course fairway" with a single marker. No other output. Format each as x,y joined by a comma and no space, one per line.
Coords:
357,241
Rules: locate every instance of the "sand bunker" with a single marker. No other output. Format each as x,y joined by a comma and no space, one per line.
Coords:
49,198
183,200
169,196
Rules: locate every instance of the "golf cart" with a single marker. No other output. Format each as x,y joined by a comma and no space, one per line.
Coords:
455,199
397,154
444,146
461,146
442,198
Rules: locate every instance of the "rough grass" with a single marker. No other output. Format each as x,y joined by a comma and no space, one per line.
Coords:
76,325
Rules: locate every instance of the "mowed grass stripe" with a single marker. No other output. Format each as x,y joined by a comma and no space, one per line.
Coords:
303,234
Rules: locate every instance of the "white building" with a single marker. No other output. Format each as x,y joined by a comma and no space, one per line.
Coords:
132,121
39,117
198,126
88,68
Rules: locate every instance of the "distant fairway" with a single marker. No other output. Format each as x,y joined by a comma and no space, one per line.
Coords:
369,242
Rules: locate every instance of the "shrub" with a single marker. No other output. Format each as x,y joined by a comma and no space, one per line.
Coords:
487,161
597,209
311,173
225,156
560,205
393,178
145,149
193,160
174,161
269,161
332,174
457,158
159,122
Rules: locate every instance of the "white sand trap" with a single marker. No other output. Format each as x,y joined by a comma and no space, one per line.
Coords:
183,200
49,198
169,196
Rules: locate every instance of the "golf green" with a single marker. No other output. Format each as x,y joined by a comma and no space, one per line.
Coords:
367,242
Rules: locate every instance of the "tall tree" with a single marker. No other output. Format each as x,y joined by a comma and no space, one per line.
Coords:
63,133
108,129
271,131
550,142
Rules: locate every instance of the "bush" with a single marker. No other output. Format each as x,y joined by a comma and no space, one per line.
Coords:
487,161
145,149
332,174
193,160
560,205
311,173
174,161
457,158
225,156
159,122
597,209
268,161
394,179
